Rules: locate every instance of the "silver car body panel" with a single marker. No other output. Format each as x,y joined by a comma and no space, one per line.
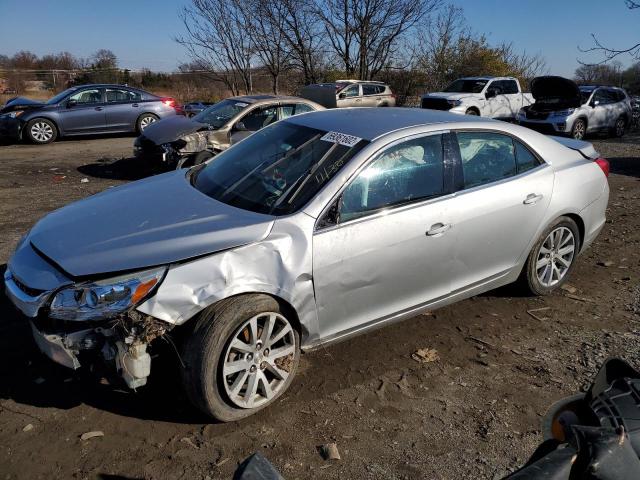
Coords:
345,279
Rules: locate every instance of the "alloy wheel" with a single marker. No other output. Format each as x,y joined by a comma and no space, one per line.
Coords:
258,360
555,256
578,130
146,121
619,127
41,131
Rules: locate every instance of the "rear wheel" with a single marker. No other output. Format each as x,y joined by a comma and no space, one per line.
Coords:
619,127
41,131
579,129
552,257
242,355
145,120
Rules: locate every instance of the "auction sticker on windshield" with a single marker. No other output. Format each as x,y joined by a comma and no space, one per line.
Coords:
341,138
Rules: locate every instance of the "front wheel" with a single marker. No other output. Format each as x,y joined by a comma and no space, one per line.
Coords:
41,131
552,257
579,129
241,356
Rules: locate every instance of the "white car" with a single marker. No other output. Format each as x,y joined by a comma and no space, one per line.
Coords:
493,97
563,108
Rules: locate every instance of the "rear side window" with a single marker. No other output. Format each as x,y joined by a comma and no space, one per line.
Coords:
369,89
525,159
119,95
381,89
486,157
509,86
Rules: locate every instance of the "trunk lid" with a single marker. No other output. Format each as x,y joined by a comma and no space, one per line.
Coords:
155,221
586,149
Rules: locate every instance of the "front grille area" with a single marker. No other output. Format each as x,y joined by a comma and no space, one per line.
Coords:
545,128
435,103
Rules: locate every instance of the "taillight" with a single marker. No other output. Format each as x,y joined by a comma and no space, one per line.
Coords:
603,163
169,102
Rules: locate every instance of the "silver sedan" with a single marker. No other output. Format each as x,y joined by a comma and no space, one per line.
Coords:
316,228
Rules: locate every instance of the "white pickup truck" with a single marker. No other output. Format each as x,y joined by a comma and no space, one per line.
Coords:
494,97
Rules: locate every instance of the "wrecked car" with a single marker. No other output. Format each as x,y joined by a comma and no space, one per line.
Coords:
316,228
182,141
563,108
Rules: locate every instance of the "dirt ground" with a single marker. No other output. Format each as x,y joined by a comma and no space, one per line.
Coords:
474,413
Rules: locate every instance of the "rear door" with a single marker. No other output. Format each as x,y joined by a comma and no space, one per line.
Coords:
121,108
504,192
83,112
370,96
389,248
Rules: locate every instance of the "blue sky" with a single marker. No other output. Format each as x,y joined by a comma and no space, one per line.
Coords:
141,32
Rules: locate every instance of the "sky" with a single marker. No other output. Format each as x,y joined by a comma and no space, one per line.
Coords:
141,32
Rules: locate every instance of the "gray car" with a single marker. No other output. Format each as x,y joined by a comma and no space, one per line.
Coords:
82,110
314,229
563,108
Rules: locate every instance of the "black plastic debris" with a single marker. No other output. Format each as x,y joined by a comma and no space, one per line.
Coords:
257,467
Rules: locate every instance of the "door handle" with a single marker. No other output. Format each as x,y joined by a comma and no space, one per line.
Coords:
532,199
438,229
135,105
98,108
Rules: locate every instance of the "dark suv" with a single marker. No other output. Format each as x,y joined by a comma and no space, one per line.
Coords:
81,110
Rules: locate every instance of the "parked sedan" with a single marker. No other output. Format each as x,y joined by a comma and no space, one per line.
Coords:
81,110
193,108
316,228
180,142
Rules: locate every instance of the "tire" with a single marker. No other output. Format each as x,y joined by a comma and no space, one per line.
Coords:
41,131
619,127
473,112
144,121
535,275
579,129
195,159
208,354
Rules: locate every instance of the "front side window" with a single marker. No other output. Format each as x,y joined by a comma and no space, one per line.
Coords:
351,91
486,157
260,118
276,170
406,172
219,114
86,97
116,95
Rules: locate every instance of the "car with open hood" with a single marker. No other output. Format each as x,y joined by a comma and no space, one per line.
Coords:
316,228
182,141
563,108
81,110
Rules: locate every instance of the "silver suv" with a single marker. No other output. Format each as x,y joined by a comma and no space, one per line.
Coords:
350,93
563,108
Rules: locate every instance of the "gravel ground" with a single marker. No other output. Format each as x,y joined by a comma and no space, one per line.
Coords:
474,413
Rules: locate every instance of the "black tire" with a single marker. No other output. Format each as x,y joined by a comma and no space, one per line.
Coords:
41,131
141,123
204,352
619,127
195,159
529,277
473,112
579,129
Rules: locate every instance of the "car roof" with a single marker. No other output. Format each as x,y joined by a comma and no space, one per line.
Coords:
371,123
269,98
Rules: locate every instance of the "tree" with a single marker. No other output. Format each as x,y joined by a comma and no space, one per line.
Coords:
217,38
364,34
610,53
104,59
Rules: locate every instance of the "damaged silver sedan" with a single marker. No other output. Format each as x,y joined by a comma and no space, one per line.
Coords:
318,227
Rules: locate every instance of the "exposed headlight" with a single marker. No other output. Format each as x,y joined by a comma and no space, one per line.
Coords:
564,113
454,103
105,298
14,114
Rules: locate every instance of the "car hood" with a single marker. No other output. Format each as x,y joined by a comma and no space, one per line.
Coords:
172,128
155,221
549,87
452,96
21,103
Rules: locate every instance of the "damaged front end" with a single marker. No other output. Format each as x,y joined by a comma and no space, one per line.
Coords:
88,323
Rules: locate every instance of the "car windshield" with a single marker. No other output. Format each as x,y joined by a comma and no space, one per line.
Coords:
278,169
466,86
60,96
219,114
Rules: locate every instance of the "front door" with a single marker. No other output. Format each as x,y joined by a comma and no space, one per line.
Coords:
388,250
502,202
84,112
350,96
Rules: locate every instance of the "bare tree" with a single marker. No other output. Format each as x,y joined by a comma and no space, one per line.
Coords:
611,53
365,34
217,38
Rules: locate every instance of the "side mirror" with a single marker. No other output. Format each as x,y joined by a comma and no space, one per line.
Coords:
595,103
71,103
342,95
240,127
491,92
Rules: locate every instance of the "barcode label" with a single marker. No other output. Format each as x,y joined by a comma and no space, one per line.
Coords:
341,138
